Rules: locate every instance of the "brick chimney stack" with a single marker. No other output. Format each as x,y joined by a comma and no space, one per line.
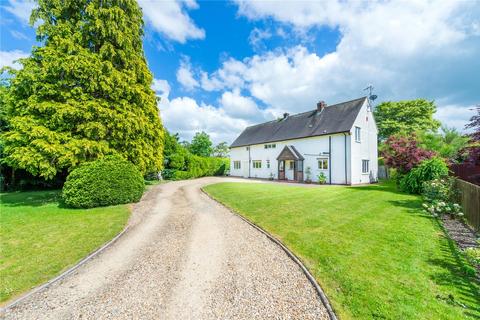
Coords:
321,105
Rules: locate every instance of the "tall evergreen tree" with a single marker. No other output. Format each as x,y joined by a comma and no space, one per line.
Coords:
85,92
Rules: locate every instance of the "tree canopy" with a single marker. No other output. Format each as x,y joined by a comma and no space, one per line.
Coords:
201,145
405,116
85,92
448,143
221,150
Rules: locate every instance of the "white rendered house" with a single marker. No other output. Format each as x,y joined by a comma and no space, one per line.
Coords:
339,141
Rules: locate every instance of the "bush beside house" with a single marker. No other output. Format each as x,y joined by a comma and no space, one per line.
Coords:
181,163
109,181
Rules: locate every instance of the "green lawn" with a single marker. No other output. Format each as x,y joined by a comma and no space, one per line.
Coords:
39,238
371,248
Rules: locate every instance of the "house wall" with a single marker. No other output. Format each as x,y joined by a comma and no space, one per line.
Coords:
311,149
366,149
346,153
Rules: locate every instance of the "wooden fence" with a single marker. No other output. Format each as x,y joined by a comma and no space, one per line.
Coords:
467,172
470,201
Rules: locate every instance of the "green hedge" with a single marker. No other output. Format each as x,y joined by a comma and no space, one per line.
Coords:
108,181
427,170
197,166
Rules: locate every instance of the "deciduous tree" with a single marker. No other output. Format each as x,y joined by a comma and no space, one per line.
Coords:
201,145
447,143
403,154
405,116
221,150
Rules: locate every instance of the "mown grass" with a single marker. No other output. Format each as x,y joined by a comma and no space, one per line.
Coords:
39,238
371,248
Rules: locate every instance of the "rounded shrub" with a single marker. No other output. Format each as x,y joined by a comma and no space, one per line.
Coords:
428,170
103,182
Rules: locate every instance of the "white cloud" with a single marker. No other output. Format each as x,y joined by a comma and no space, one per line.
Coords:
185,116
21,9
405,49
456,116
185,76
162,89
241,107
230,75
19,35
257,36
8,58
171,19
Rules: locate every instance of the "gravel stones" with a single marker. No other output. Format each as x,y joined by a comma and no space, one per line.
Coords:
184,257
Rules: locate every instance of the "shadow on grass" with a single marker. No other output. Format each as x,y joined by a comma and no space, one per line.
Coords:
30,198
456,272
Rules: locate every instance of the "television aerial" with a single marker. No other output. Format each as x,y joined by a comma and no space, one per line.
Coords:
371,96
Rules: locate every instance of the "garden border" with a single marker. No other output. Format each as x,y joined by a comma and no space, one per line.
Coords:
290,254
63,274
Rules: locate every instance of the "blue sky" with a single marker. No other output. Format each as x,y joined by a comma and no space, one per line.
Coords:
220,66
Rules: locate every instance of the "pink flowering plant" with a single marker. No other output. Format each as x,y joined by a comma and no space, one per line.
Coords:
438,196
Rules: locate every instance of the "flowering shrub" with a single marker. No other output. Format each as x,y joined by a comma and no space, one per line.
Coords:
439,196
438,208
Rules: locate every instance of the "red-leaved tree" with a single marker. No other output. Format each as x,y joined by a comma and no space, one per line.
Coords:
403,154
474,148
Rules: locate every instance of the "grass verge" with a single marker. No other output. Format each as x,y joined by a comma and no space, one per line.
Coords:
371,248
39,238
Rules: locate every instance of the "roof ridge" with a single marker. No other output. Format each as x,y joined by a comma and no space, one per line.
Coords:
300,113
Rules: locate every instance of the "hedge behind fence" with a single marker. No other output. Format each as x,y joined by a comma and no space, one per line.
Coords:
196,166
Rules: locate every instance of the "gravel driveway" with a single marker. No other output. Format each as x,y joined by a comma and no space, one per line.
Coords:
184,257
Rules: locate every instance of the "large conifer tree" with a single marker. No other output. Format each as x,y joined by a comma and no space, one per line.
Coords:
85,93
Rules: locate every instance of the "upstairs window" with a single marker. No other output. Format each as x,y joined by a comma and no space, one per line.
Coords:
257,164
236,165
358,134
270,146
365,166
323,164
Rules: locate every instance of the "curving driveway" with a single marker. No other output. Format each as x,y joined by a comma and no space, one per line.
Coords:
184,257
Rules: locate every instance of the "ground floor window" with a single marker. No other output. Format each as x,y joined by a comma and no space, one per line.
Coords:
365,165
236,164
257,164
323,164
268,164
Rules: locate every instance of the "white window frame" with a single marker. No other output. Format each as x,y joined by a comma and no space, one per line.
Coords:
257,164
237,165
323,161
365,166
358,134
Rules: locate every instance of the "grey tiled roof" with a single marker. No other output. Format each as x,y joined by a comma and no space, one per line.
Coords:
333,119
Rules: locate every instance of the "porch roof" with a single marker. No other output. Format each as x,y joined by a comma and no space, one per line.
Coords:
290,153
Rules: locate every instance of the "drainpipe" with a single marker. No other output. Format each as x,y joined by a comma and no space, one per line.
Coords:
330,159
249,161
345,143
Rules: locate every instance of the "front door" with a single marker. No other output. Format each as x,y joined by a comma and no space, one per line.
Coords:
245,165
290,170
